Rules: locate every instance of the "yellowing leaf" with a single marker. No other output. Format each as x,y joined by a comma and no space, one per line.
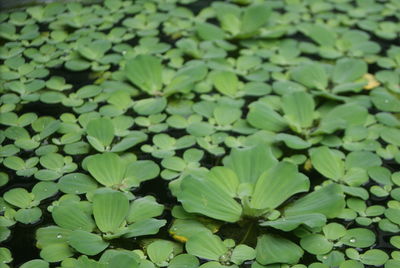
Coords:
372,82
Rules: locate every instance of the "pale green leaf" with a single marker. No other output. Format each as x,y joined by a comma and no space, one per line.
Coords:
250,162
328,200
206,246
110,209
87,243
145,71
348,70
328,163
202,195
226,82
275,249
312,75
102,130
107,168
278,184
299,107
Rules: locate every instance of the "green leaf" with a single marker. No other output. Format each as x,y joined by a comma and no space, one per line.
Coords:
342,116
225,178
334,231
229,16
110,209
395,241
275,249
56,252
35,264
107,168
384,100
374,257
312,75
214,264
46,175
362,159
144,227
225,82
242,253
120,258
4,233
292,222
299,109
19,197
380,175
57,83
328,163
321,34
94,50
77,65
348,70
358,237
141,170
129,141
145,72
4,179
5,256
83,262
392,263
160,251
226,115
206,246
144,208
262,116
202,195
87,243
316,244
393,214
184,261
351,264
8,31
254,17
44,189
277,184
250,162
76,183
100,132
185,78
186,228
208,31
391,135
150,106
50,235
292,141
52,161
200,129
14,162
71,216
328,200
28,215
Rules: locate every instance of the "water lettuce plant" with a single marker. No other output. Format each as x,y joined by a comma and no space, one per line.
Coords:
109,215
212,134
110,170
262,184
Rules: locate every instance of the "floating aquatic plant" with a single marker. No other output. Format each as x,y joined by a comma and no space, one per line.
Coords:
192,134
